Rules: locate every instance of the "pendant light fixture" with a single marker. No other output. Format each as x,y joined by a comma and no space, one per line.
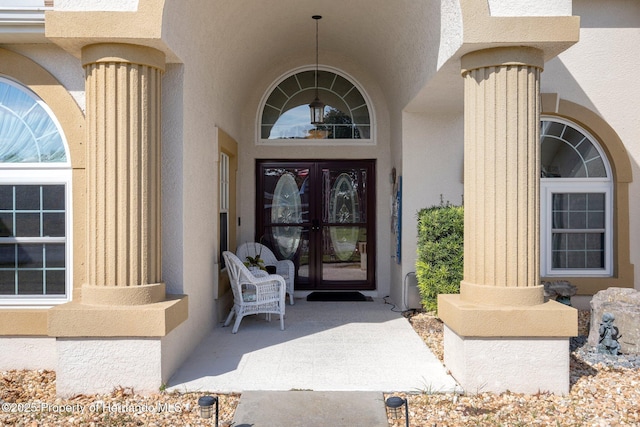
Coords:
317,107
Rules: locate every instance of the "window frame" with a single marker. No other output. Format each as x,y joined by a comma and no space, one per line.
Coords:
223,213
311,141
46,173
547,190
551,186
43,176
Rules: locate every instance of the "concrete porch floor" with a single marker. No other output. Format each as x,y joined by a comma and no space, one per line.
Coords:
326,346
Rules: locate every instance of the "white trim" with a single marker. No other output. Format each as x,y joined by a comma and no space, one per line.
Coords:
45,176
594,141
315,142
16,16
224,197
550,186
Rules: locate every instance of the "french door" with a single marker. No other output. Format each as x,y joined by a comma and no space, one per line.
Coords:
320,215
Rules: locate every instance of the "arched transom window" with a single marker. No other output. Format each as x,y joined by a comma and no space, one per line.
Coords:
35,200
285,112
576,202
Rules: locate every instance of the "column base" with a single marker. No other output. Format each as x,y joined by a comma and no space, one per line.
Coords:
99,365
519,365
469,319
523,349
76,319
100,347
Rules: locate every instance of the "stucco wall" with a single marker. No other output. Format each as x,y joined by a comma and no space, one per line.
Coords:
85,361
432,172
192,106
28,353
598,73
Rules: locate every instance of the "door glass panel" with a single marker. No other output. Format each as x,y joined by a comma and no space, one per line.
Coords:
343,191
286,208
316,214
344,254
286,203
302,261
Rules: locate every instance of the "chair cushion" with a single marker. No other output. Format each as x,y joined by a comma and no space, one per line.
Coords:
248,296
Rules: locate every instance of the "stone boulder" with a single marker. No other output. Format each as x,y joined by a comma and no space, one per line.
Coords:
624,304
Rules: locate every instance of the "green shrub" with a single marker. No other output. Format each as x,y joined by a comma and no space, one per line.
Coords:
440,252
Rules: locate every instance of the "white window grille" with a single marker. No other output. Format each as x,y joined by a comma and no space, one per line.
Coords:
576,203
35,202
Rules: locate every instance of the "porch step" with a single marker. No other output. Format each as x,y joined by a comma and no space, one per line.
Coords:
310,409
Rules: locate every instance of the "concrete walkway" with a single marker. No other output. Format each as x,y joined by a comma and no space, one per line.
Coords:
325,347
311,409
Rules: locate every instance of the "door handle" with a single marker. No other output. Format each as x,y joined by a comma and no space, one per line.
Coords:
315,225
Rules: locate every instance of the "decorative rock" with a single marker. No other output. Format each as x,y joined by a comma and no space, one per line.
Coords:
559,288
624,304
562,290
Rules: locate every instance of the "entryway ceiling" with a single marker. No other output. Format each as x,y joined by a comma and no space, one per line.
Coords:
394,42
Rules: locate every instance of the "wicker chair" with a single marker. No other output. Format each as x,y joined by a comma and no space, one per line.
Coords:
284,267
253,294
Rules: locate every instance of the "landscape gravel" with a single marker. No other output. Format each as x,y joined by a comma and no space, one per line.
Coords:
604,392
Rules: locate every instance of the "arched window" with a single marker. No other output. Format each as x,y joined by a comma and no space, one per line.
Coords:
35,200
285,111
576,202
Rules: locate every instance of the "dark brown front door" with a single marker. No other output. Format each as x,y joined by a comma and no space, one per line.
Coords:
321,215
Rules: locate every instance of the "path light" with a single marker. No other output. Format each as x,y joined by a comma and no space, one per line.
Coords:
205,403
394,403
317,107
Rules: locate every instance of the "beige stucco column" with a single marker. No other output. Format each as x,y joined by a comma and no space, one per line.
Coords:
123,89
502,176
500,334
123,294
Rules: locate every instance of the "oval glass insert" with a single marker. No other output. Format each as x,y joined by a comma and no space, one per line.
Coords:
286,209
344,208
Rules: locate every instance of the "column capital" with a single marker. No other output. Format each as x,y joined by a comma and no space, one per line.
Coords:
123,53
502,56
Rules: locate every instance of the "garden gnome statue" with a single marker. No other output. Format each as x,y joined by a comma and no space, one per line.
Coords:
608,343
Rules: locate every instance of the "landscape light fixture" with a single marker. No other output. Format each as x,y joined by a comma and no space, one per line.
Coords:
205,403
317,107
394,403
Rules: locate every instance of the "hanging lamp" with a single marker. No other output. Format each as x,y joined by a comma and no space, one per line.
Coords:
317,107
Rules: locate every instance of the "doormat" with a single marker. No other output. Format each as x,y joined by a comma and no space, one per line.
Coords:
337,296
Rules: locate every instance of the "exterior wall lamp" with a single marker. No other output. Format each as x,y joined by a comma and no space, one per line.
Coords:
316,108
394,403
206,403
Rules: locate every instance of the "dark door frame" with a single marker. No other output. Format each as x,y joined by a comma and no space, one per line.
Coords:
370,221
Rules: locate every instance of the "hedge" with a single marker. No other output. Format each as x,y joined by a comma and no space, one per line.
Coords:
440,252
